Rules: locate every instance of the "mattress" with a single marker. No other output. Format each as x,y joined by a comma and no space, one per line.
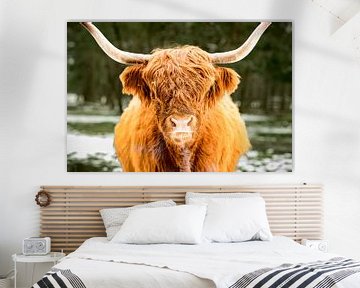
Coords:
99,263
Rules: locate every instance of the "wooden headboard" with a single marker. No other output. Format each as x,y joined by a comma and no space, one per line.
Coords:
73,214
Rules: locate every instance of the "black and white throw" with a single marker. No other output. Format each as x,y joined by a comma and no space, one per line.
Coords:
59,278
319,274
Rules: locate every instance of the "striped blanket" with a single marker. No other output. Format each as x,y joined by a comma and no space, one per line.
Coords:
319,274
59,278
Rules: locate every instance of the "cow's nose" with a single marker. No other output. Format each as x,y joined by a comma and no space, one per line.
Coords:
181,122
181,128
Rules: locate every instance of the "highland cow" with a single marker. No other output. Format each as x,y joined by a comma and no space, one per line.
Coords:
181,116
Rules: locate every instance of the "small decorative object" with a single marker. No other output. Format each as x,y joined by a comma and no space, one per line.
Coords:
42,198
36,246
320,245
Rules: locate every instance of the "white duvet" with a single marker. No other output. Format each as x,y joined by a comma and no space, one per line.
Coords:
100,263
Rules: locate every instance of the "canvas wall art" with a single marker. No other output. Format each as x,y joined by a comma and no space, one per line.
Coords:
179,97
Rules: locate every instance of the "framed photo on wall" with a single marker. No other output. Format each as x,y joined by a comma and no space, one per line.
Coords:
179,97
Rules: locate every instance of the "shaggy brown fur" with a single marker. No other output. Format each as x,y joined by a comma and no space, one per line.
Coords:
176,82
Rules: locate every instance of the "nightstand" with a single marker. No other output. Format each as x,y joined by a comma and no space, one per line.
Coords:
320,245
53,257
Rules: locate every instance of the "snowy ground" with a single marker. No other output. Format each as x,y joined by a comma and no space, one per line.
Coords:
92,118
83,145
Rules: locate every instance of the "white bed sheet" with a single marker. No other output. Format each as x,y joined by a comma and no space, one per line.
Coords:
100,263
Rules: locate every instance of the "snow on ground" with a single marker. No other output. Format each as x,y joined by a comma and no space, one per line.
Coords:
92,118
270,130
84,145
254,118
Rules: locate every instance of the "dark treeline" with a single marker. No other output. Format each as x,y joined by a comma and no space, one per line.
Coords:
266,73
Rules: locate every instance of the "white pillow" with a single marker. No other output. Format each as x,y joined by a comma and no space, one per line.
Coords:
180,224
236,220
113,218
203,198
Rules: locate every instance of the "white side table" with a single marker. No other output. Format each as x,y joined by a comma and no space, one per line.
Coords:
53,257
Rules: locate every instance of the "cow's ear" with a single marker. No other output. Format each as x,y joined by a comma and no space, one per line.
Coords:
134,83
226,82
229,79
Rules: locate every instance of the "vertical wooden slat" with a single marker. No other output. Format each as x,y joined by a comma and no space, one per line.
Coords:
73,215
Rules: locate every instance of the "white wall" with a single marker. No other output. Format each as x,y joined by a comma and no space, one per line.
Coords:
33,109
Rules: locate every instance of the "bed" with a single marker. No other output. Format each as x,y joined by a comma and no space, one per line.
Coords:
98,263
294,213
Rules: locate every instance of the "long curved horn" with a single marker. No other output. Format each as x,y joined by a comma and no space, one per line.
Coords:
244,50
114,53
